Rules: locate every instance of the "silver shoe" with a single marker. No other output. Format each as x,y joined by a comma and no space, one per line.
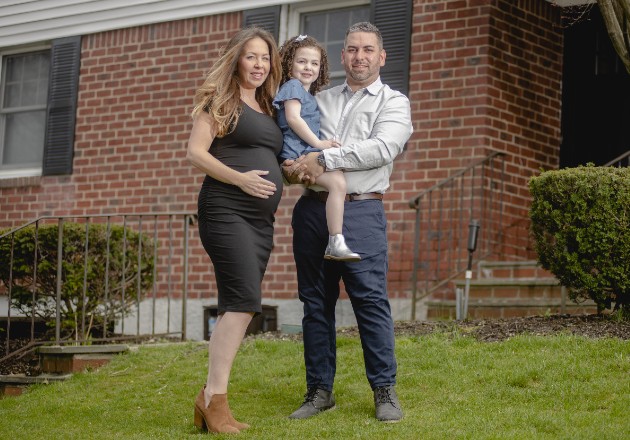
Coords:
338,250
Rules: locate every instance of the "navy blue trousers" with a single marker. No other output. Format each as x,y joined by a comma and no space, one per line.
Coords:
365,282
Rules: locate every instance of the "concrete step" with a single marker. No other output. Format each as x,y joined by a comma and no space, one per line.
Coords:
71,359
502,289
511,270
512,288
14,384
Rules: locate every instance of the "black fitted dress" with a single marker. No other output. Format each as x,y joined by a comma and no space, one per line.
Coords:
236,229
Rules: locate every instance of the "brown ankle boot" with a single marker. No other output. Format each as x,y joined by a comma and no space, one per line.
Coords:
216,417
238,425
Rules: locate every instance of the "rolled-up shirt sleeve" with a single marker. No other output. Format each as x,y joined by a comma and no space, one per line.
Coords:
372,126
384,129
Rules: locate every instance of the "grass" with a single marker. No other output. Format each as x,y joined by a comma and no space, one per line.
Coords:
451,386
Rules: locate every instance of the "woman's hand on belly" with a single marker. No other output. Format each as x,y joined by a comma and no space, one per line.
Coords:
251,182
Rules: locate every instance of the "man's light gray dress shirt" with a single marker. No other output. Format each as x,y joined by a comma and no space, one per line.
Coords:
372,125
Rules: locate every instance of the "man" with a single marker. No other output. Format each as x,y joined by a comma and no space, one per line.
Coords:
372,123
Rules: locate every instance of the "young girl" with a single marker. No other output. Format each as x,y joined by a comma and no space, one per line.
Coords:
304,73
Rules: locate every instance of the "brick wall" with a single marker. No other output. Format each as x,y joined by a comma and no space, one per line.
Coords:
525,99
484,75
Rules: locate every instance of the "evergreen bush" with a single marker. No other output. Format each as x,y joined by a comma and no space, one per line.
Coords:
580,221
104,300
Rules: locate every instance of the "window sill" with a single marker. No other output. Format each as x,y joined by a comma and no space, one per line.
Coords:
14,182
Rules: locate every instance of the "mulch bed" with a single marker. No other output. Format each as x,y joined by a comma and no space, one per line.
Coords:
26,363
487,330
490,330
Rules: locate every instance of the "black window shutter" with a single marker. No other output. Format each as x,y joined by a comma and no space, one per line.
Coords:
266,18
62,106
393,18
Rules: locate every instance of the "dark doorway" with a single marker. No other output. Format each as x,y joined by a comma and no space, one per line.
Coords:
595,96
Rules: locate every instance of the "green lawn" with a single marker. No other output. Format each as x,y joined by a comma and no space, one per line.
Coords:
450,386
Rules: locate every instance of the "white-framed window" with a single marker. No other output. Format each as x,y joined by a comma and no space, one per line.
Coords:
24,80
327,21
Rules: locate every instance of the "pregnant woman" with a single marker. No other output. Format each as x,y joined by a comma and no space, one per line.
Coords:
234,141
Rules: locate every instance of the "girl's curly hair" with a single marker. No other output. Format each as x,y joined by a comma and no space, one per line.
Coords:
287,55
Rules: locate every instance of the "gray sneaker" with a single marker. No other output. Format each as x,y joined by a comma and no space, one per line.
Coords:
387,405
316,400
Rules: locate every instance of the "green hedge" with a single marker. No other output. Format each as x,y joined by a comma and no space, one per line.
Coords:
581,228
98,308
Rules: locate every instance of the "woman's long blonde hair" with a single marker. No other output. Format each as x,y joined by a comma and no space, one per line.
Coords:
220,93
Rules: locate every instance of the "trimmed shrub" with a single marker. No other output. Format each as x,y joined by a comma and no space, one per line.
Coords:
581,228
104,284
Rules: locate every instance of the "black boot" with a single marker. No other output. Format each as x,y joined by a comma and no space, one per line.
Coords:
387,405
316,400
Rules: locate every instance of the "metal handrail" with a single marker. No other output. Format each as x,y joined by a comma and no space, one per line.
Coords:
617,161
124,214
466,195
165,222
413,203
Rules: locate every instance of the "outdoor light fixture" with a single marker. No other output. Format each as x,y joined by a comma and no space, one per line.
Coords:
461,301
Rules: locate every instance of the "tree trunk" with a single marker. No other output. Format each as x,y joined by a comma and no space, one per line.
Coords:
616,14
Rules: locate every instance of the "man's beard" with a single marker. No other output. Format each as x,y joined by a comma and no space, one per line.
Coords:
360,76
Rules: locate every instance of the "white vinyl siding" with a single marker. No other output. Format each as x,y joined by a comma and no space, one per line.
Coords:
27,21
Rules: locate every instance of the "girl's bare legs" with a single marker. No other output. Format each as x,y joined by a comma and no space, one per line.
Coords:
225,340
335,183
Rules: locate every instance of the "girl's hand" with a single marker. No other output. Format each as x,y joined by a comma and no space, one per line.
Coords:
254,185
328,143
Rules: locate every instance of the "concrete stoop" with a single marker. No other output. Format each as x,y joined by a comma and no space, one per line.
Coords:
75,358
509,289
14,384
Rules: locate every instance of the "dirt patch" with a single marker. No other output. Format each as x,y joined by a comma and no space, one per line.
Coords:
591,326
488,330
26,363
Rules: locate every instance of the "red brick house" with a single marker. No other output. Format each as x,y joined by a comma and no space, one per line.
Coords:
95,102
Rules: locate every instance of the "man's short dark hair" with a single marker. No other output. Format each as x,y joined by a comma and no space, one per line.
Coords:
365,26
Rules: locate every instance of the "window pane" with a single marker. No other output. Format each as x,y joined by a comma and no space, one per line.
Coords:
329,27
315,24
23,101
334,55
31,67
26,79
339,22
12,95
14,67
24,139
358,15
